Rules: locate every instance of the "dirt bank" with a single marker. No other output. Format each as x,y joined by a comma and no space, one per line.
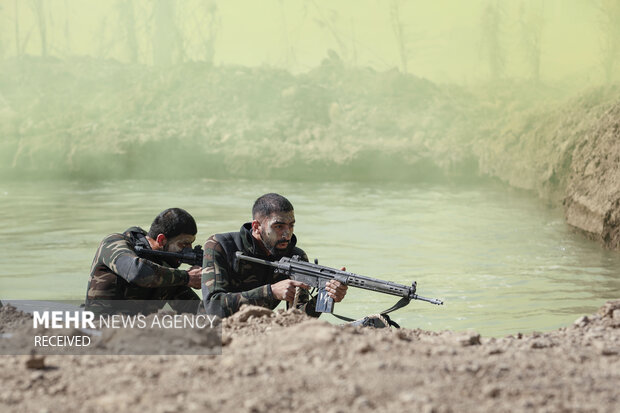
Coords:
84,118
285,361
593,194
567,152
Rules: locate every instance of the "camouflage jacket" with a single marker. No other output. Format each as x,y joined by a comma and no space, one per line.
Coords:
117,273
227,283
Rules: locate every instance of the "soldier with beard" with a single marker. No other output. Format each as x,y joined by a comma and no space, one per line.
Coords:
117,273
227,283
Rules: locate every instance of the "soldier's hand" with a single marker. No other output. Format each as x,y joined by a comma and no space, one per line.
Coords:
285,289
195,275
336,290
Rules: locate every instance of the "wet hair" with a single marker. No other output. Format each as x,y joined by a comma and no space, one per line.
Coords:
269,203
173,222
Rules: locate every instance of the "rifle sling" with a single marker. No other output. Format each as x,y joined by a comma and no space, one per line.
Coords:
400,304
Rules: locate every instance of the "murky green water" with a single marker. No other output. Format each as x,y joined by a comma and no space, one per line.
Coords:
500,260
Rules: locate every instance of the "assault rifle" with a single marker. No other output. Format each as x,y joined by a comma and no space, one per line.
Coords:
317,276
186,255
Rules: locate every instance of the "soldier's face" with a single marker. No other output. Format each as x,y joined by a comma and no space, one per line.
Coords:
176,244
276,231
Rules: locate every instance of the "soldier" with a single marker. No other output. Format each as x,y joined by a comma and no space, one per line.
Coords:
227,283
117,273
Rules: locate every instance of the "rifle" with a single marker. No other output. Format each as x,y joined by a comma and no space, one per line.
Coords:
317,276
186,255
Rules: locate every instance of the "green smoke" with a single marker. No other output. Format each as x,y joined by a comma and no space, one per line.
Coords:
341,90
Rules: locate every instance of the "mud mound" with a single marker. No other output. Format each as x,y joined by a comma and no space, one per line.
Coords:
160,340
284,360
13,319
611,310
138,335
252,320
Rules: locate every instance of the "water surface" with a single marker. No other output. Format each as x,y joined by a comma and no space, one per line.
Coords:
501,260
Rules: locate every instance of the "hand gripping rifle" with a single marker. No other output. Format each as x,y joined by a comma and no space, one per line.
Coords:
317,276
186,255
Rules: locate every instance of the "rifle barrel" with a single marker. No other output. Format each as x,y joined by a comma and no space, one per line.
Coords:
428,300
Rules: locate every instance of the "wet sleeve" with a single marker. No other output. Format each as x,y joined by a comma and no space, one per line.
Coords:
183,299
216,285
117,254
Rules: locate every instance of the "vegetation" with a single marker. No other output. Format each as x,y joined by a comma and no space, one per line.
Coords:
87,119
149,97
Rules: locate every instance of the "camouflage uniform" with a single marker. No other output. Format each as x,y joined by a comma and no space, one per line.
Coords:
117,273
227,283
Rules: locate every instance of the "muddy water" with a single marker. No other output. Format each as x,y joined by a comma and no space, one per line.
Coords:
502,261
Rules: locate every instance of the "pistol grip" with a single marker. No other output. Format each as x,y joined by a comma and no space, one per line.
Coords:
324,303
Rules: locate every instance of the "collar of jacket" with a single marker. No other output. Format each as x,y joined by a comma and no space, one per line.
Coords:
250,247
137,236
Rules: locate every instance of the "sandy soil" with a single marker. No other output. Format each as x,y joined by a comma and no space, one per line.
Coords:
285,361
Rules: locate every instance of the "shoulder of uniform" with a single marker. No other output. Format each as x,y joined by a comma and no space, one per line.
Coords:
214,244
114,237
298,251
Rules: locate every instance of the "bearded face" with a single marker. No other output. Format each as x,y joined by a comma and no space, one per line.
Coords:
276,231
176,244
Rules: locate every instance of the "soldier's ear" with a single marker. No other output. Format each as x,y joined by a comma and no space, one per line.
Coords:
161,240
255,225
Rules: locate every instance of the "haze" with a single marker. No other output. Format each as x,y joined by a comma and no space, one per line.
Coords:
444,40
